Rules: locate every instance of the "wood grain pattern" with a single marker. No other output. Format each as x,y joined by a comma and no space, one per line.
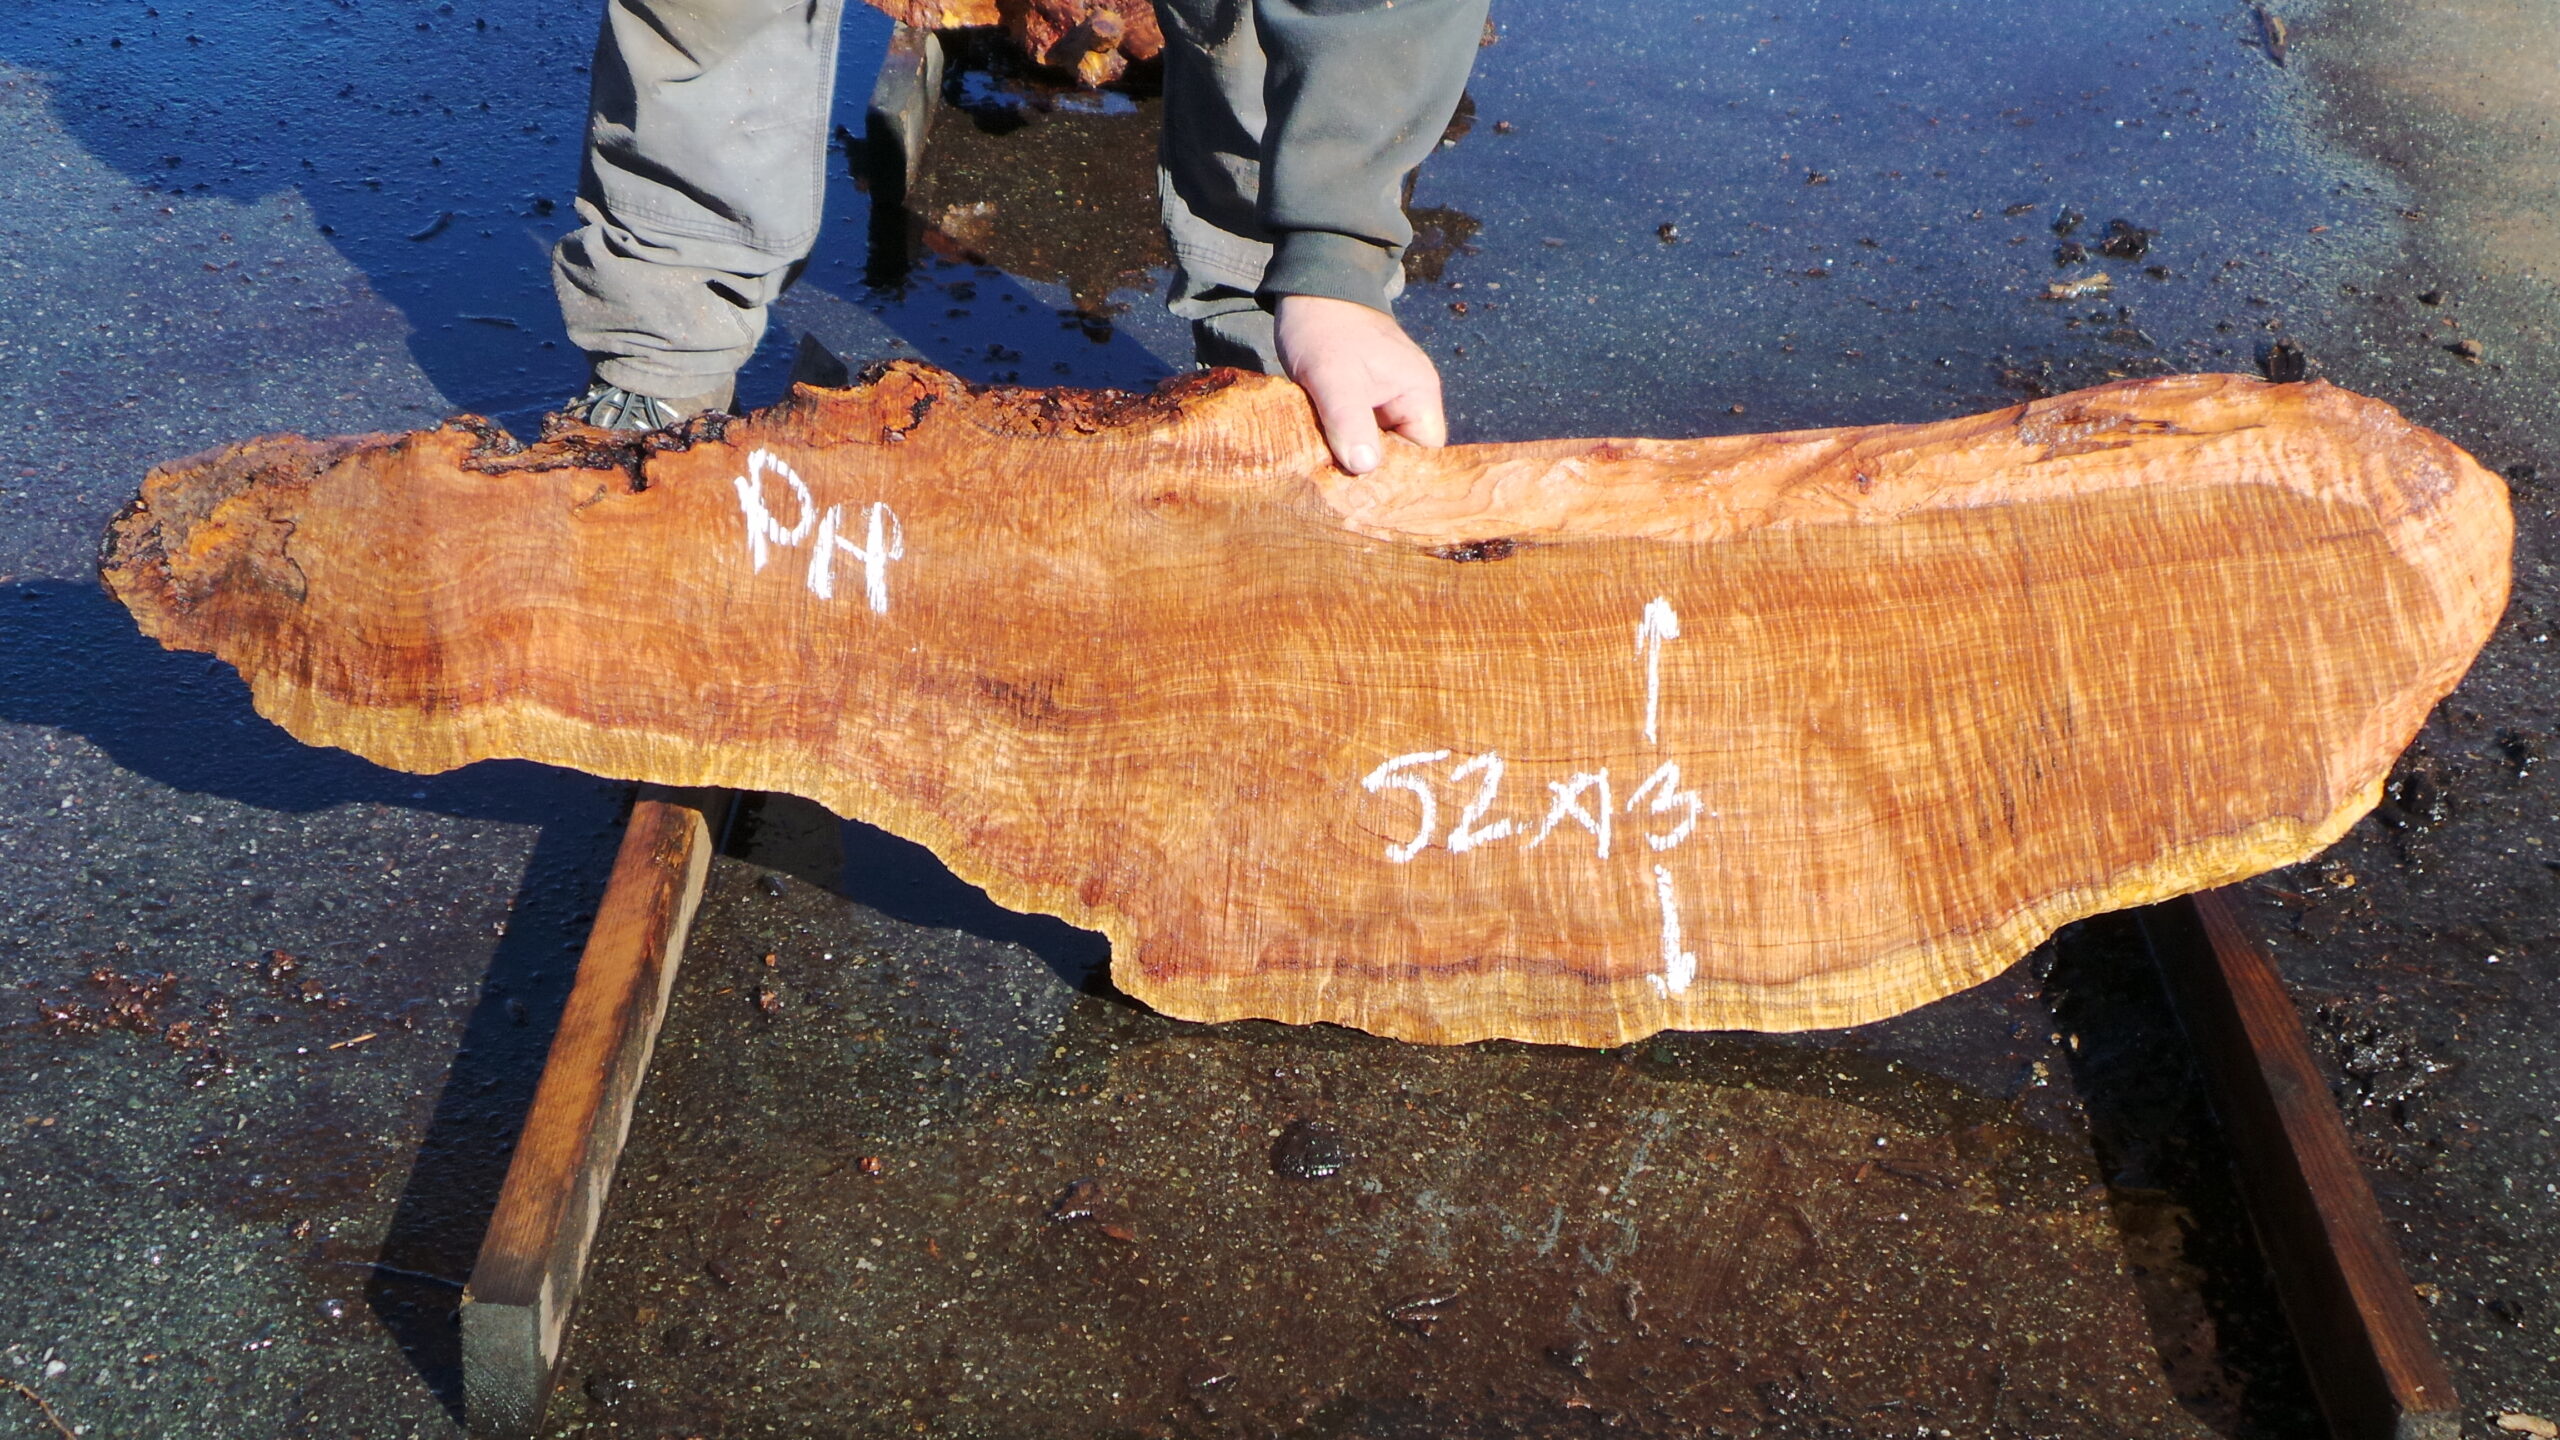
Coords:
516,1308
2364,1340
1152,665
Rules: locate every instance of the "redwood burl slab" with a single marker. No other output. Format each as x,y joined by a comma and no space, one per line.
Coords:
1572,740
1092,39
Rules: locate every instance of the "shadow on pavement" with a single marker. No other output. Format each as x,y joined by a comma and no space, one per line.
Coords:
444,1208
71,659
2221,1333
904,881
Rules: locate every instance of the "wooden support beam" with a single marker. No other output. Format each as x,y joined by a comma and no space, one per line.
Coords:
515,1312
2363,1339
903,100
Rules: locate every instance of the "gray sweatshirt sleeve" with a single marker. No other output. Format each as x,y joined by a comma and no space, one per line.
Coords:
1357,92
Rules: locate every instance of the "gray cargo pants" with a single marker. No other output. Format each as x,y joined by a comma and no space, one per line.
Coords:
706,170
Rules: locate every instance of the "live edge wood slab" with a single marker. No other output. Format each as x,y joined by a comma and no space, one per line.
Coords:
1568,740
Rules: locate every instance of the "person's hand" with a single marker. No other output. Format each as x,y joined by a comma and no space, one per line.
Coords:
1363,375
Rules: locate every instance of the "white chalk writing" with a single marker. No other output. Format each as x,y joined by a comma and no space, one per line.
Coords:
763,531
884,538
874,554
1679,967
1586,798
1660,623
1567,805
1664,786
1467,835
1391,774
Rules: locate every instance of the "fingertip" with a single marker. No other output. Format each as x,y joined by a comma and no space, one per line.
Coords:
1360,459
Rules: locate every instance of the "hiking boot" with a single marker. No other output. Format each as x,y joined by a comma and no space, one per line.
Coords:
611,407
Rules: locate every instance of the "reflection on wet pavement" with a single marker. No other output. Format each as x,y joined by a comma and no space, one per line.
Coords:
1048,184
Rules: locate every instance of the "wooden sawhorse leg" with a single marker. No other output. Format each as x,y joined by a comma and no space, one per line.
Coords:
2355,1319
515,1311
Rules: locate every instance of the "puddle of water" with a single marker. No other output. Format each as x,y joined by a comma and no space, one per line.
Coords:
1025,251
1776,217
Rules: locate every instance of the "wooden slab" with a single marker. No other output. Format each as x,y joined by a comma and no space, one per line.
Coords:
515,1311
1566,740
2363,1338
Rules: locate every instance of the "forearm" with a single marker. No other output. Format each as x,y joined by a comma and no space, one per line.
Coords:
1357,93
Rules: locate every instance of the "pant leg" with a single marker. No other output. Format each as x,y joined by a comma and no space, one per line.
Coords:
1208,180
703,185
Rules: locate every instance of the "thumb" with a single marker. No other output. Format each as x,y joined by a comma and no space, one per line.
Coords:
1350,426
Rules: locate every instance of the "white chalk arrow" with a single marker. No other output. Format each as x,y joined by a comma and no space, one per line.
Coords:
1659,624
1679,966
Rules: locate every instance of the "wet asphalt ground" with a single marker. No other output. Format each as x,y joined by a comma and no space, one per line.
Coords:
274,1013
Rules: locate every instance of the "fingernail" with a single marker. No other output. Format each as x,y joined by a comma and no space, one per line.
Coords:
1363,458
